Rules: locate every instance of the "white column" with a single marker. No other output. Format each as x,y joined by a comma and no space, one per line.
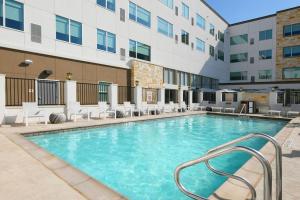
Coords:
70,94
218,97
113,95
272,98
200,97
190,97
180,95
2,98
161,95
138,96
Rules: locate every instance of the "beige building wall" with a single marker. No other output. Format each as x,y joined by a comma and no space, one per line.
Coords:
286,18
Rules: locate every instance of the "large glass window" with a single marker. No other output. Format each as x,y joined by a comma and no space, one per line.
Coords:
200,21
212,29
265,35
76,32
184,37
183,78
265,74
238,76
241,57
265,54
62,28
164,27
185,11
109,4
1,12
221,36
14,15
106,41
291,72
291,51
239,39
200,45
221,55
211,50
290,30
139,50
139,14
168,3
169,76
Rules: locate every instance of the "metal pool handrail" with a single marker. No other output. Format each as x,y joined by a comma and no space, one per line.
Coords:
265,164
278,158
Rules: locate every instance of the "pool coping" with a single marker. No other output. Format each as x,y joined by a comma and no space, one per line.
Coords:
78,180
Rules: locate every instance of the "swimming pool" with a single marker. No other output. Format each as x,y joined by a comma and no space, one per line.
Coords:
138,159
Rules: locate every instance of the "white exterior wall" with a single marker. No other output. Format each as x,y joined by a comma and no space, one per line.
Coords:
252,29
164,50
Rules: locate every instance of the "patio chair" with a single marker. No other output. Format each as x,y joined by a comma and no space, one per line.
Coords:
274,109
160,106
75,109
103,108
183,106
171,107
127,108
31,110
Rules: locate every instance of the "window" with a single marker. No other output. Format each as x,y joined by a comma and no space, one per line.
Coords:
265,54
164,27
200,21
211,29
241,57
139,14
220,55
239,39
200,45
238,76
62,28
1,12
210,97
291,51
291,72
76,32
183,77
139,50
221,36
185,11
168,3
265,35
169,76
106,41
290,30
265,74
109,4
64,25
14,15
280,97
184,37
103,91
211,50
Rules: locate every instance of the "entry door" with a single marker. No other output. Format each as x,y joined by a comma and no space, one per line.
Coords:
48,92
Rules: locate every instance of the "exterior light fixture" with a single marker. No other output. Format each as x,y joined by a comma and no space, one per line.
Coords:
69,76
137,83
28,62
241,89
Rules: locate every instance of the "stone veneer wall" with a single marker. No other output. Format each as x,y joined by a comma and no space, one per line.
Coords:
147,74
286,18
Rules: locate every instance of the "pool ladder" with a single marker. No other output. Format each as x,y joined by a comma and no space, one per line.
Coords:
228,148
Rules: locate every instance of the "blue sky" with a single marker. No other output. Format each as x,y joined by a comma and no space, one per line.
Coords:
240,10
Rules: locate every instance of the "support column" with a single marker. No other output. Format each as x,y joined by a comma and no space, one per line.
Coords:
113,95
2,98
138,96
273,98
161,95
190,98
200,96
70,94
180,95
218,97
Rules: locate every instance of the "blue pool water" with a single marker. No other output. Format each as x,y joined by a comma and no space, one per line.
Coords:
138,159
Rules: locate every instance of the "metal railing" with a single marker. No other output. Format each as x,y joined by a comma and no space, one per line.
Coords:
19,90
125,93
50,92
228,148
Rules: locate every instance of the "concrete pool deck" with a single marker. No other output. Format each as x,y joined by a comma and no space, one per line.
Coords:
29,172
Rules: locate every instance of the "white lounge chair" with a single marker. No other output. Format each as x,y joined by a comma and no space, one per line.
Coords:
75,109
31,110
183,106
217,109
127,108
271,112
232,110
292,113
171,107
103,108
160,106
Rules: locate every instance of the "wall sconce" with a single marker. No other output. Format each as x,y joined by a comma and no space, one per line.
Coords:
28,62
137,83
69,76
241,89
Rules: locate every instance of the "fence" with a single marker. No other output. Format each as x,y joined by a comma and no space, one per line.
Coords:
91,94
125,93
150,95
51,92
19,90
